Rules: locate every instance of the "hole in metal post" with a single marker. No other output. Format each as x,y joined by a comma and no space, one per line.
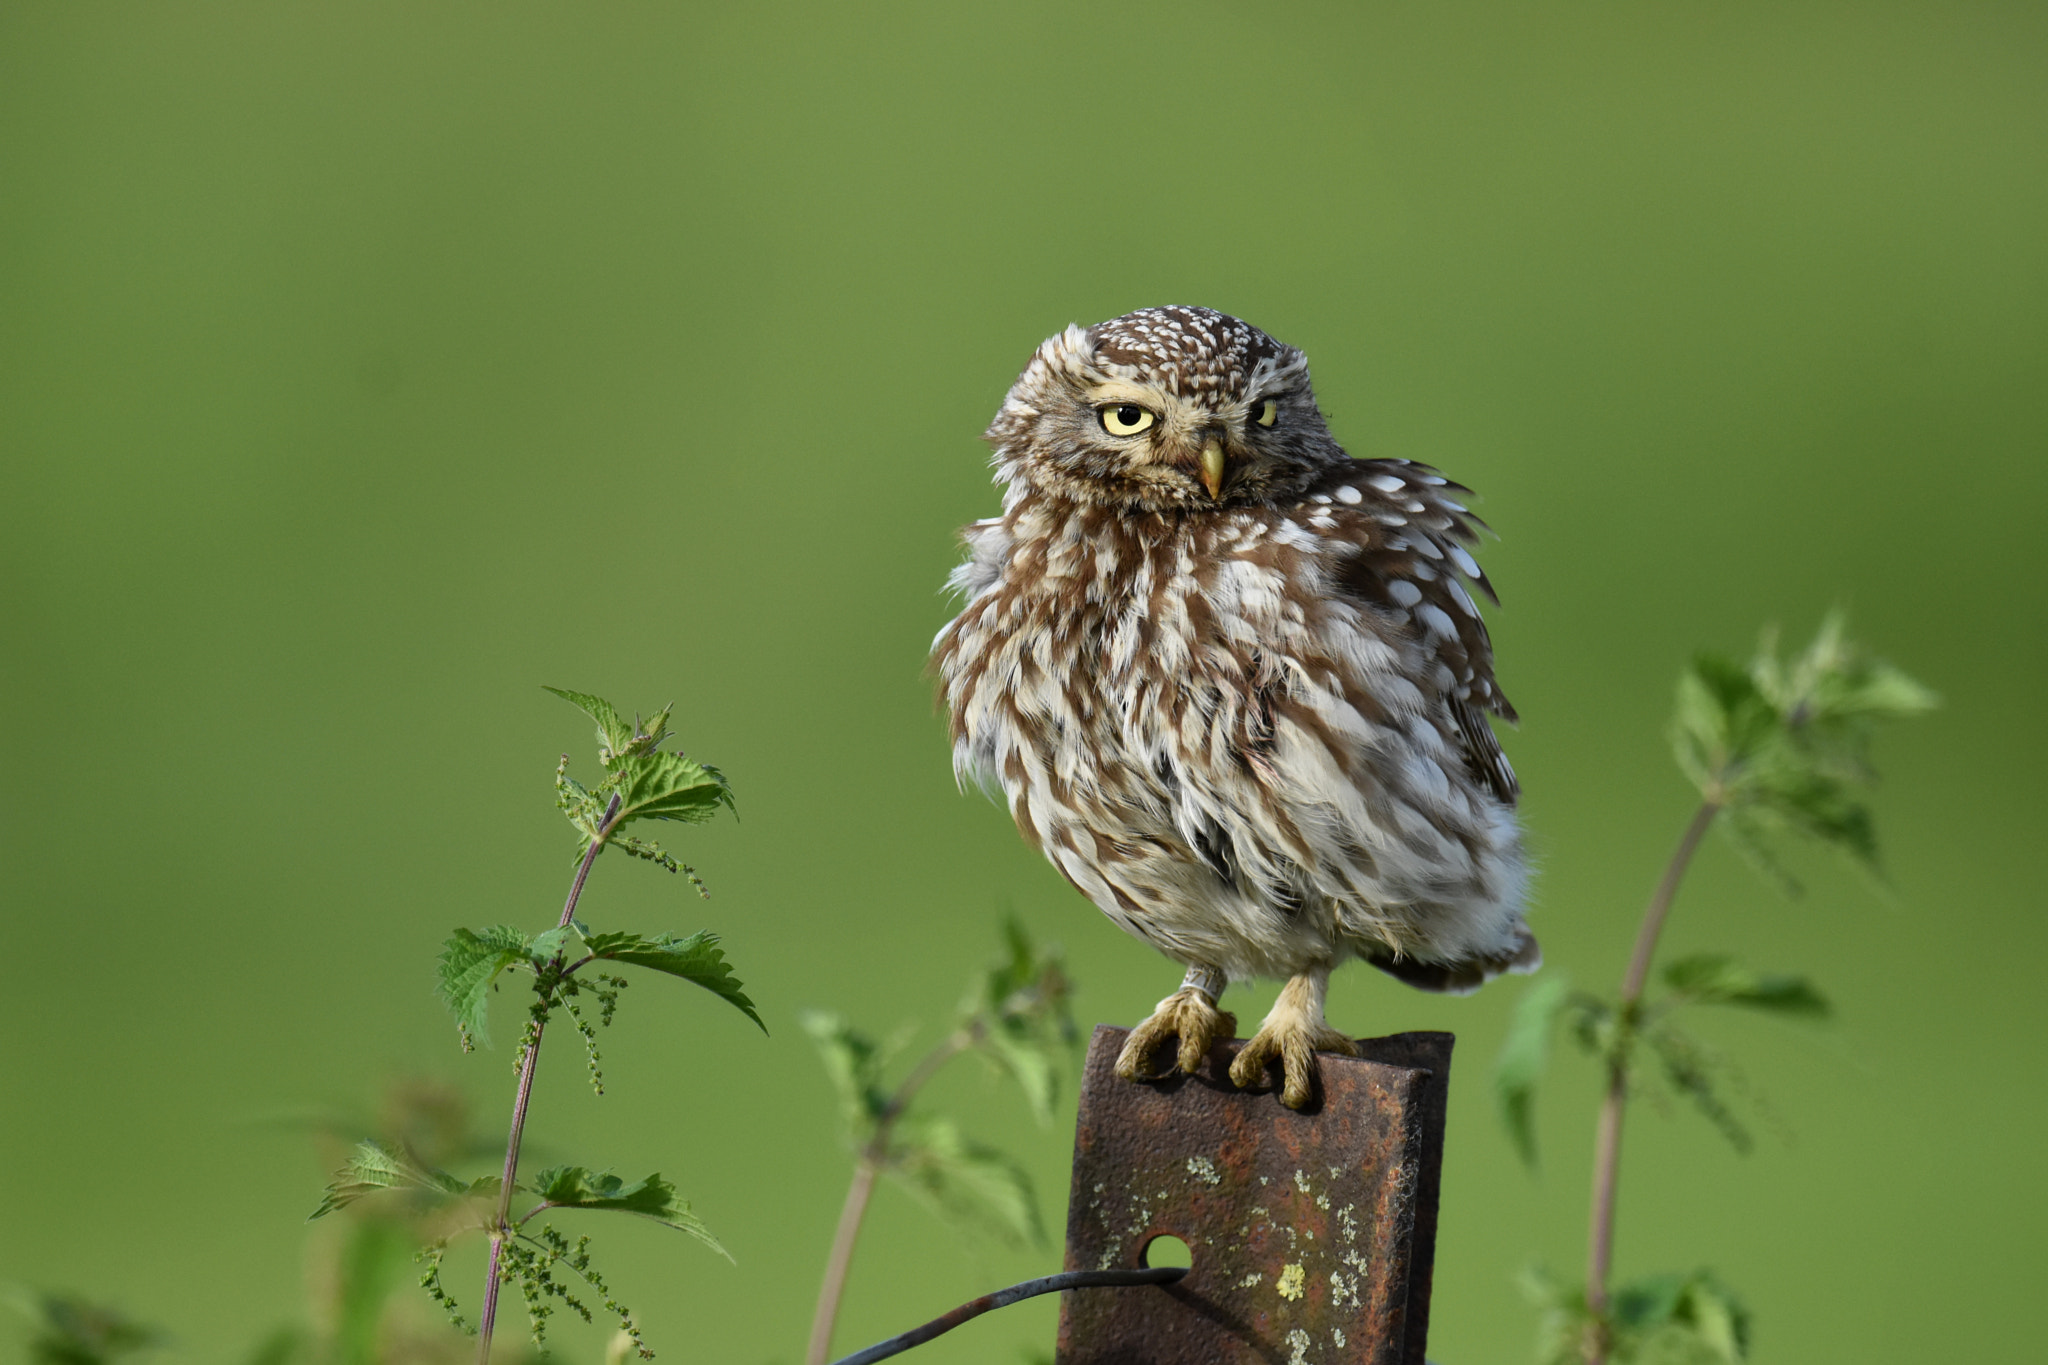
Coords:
1165,1250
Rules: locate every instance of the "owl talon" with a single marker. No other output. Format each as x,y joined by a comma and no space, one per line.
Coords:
1296,1051
1191,1016
1292,1034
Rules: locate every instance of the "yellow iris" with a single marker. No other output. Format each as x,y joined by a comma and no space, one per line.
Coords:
1266,411
1125,419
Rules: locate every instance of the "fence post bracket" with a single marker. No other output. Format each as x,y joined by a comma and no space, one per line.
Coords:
1312,1234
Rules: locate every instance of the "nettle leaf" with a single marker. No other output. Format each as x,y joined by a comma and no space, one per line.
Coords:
1019,1014
1715,979
1722,720
470,962
1523,1058
576,1187
965,1181
1783,745
696,958
1592,1023
612,731
854,1062
375,1167
1687,1316
1031,1065
1566,1316
668,786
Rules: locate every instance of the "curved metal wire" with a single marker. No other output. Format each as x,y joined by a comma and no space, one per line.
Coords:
1003,1298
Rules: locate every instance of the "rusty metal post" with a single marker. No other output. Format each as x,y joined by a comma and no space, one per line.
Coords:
1312,1234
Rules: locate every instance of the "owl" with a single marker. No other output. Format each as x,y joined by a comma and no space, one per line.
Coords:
1232,683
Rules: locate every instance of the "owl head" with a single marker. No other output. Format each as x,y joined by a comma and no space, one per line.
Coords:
1163,409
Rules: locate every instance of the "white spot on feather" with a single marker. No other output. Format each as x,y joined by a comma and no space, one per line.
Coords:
1403,592
1387,483
1348,494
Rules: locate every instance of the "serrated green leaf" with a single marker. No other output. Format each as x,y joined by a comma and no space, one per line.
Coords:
1031,1065
374,1166
1018,1012
1592,1023
576,1187
541,947
1680,1317
965,1182
612,731
1783,745
1523,1056
853,1061
670,786
696,958
469,964
1715,979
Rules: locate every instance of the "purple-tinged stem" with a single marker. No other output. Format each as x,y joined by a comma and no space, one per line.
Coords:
501,1230
1607,1138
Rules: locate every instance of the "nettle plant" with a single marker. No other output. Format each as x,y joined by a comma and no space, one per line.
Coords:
1015,1015
571,969
1777,748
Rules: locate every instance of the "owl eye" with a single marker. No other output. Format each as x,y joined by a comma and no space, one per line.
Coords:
1266,411
1124,419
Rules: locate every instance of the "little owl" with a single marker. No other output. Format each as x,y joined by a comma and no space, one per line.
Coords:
1233,685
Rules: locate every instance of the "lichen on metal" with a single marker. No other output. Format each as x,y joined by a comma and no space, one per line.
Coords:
1311,1234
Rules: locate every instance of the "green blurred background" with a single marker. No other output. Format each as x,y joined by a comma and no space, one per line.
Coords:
364,367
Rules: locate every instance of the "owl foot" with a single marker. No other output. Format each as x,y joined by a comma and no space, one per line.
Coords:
1190,1015
1293,1033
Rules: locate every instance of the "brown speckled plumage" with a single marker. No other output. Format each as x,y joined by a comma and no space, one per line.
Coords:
1232,682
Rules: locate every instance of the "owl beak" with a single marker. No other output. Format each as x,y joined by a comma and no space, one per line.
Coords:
1212,468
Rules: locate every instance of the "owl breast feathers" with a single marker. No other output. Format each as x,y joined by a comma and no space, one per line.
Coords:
1231,681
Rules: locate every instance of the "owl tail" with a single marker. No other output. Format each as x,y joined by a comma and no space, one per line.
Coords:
1462,978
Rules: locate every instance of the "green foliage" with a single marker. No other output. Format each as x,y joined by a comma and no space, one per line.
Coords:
64,1330
1716,979
530,1262
1661,1320
968,1183
1019,1012
375,1167
1523,1059
1778,746
696,958
1699,1074
651,1197
647,783
853,1062
641,782
471,961
1782,745
1016,1015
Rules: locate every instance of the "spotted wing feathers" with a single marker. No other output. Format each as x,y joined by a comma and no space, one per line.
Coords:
1412,563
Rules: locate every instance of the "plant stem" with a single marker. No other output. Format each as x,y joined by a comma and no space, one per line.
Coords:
866,1167
1607,1138
501,1230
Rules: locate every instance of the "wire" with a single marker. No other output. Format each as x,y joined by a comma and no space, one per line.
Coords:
1003,1298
